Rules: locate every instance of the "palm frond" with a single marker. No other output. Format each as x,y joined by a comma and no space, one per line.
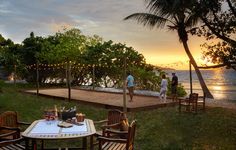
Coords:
172,28
147,19
192,20
163,8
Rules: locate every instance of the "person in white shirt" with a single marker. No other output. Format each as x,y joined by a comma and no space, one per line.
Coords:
164,84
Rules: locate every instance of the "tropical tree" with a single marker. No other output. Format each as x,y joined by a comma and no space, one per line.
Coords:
63,46
175,15
31,47
10,57
90,57
219,24
108,58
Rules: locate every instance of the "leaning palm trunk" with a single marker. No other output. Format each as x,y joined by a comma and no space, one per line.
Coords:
199,75
176,13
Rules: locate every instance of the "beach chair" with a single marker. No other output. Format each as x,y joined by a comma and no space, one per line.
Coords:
190,103
108,143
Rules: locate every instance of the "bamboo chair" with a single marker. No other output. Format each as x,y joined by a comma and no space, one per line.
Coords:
113,120
107,143
190,103
9,121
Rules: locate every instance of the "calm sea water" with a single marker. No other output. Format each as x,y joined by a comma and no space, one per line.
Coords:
221,82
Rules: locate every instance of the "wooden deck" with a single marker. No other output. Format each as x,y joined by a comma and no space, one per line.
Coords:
105,99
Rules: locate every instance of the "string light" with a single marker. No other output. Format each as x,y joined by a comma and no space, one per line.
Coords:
75,65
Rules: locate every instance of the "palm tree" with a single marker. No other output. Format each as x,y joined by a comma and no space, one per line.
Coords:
177,16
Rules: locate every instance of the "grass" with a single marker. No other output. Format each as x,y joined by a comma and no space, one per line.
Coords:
162,128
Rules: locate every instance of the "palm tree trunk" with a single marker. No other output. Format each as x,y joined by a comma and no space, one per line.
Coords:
199,75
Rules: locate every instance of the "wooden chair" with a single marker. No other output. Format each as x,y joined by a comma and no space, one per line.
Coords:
14,144
190,103
7,133
11,144
114,118
107,143
9,120
201,102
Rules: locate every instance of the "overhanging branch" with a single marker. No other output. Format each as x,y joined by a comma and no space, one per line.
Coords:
210,67
231,64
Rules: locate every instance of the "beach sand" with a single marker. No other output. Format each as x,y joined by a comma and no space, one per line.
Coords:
221,103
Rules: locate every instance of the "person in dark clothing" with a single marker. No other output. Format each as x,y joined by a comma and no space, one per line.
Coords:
174,85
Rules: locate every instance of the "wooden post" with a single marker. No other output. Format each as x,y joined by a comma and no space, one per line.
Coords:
66,71
69,78
190,76
14,75
124,87
37,77
93,77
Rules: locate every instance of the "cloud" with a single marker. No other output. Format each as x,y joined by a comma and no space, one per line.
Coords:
3,8
46,17
100,17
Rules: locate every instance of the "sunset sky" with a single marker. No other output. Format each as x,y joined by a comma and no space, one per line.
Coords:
101,17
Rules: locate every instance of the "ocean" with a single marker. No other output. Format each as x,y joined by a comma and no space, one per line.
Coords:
221,82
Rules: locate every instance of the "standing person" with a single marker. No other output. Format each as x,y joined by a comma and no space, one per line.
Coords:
174,85
164,84
130,85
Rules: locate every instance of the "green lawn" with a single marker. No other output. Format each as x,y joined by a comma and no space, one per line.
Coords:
163,128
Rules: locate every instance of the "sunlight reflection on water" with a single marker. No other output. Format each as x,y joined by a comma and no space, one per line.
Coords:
221,82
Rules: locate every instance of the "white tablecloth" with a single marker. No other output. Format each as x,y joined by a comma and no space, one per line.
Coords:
51,127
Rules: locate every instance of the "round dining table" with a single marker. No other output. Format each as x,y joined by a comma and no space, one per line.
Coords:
52,130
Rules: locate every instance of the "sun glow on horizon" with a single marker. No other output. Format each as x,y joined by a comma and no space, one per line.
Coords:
179,62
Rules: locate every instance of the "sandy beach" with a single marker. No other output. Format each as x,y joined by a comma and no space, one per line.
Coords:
221,103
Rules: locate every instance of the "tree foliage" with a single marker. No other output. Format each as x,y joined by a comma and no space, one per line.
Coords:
85,55
219,28
10,56
176,15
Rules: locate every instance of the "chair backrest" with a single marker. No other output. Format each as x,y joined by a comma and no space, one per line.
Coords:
9,119
131,135
193,97
114,116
